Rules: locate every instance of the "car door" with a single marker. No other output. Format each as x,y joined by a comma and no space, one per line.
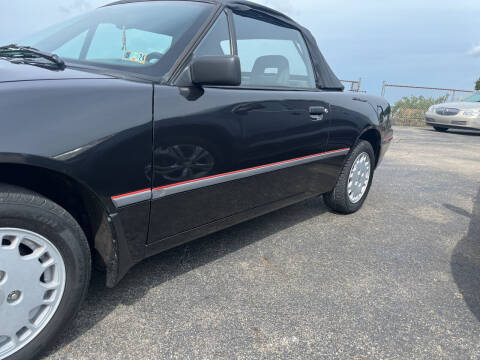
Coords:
220,151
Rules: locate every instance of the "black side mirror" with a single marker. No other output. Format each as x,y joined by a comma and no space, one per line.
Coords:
216,70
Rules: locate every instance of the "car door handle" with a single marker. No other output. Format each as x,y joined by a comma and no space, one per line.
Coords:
317,113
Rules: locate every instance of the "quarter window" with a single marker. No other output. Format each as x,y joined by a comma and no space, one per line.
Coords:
272,55
217,40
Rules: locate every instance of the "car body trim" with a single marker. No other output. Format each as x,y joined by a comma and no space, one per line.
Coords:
240,174
163,191
132,197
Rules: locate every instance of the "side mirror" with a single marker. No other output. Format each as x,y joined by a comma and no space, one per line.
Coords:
216,70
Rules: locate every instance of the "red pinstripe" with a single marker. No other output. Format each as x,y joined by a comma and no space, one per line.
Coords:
228,173
131,193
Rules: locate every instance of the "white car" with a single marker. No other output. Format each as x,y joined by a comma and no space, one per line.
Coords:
456,115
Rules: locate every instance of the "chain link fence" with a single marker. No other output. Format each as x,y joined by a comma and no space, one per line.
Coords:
410,103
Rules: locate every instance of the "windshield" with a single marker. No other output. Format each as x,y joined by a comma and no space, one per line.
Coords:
473,98
141,37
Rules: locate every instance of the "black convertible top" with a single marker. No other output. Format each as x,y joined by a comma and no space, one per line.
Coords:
325,77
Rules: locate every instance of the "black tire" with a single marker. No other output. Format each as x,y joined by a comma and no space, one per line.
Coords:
440,128
24,209
338,199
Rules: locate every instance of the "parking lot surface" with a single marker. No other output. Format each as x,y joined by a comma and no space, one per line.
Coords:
398,280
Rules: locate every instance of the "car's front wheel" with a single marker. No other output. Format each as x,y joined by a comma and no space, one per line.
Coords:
354,182
44,271
440,128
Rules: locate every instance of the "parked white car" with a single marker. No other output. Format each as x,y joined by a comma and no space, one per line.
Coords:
456,115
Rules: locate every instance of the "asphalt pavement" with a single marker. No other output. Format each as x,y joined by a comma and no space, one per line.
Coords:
400,279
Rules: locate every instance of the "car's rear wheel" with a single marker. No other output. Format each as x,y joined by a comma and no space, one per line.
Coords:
44,271
440,128
354,182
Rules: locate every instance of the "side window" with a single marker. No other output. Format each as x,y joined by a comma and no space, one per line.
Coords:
272,55
217,40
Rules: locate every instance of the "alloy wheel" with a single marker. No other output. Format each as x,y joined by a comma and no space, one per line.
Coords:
32,282
359,178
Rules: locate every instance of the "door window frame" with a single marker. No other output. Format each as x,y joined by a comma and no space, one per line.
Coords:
234,50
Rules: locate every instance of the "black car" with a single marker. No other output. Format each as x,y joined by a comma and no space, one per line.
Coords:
147,124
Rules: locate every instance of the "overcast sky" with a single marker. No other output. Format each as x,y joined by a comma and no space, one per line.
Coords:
418,42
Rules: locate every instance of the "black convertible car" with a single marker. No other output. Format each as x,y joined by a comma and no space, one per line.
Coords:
147,124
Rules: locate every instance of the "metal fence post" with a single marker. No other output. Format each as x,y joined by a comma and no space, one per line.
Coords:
383,88
354,85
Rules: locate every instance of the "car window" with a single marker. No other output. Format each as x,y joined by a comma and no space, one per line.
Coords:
72,48
140,37
112,43
472,98
272,55
217,40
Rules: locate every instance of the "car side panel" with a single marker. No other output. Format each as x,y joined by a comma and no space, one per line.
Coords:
354,114
251,131
99,133
95,131
351,115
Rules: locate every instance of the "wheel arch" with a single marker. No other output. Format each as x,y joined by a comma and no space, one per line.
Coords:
373,136
76,198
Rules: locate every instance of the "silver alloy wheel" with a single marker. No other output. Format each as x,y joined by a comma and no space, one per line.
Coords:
32,281
359,178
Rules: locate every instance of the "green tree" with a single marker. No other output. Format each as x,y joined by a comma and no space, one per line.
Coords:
477,84
410,110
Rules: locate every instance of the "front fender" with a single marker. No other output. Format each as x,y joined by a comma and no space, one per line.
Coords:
96,132
102,226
